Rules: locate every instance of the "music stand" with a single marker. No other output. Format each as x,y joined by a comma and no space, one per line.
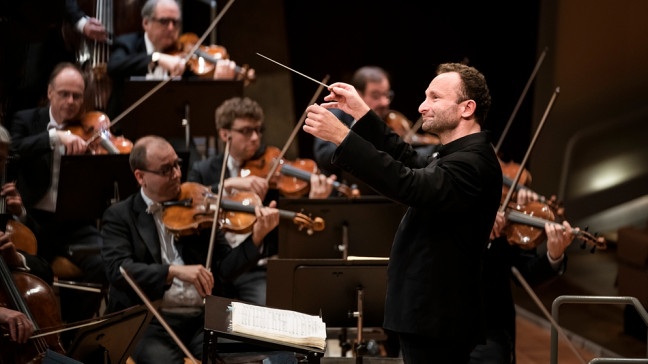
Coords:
217,325
88,184
353,227
112,341
329,287
164,112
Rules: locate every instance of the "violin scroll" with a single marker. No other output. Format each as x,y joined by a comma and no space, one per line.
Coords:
305,222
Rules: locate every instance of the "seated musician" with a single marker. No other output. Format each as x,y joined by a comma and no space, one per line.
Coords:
154,52
169,269
241,119
535,265
19,326
39,138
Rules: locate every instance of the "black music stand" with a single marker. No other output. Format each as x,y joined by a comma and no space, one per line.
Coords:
112,341
179,109
346,293
217,322
353,227
88,184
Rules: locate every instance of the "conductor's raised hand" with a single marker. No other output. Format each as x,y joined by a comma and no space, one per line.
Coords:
346,98
321,123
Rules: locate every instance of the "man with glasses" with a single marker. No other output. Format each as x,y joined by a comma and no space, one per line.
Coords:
153,52
169,269
40,139
241,119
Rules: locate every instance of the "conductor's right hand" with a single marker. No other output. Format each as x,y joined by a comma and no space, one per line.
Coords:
197,275
346,98
73,143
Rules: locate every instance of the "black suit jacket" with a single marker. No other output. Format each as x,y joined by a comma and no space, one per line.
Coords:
131,241
30,141
434,275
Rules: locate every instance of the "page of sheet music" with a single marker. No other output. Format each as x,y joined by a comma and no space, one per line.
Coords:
275,321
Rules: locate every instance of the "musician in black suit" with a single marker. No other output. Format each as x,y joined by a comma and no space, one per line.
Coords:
166,268
39,139
33,40
242,121
434,286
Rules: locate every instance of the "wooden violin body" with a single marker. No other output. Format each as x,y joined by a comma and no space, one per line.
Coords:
94,127
194,211
526,227
204,60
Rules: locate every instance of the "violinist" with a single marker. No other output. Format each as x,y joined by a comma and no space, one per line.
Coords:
536,266
169,269
242,119
154,52
39,139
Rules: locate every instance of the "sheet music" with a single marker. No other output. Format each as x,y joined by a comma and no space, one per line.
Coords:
284,325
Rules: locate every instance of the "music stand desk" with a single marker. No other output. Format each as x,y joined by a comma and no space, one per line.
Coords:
112,341
217,322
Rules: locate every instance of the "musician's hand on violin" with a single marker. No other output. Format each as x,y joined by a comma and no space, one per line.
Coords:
346,98
321,123
267,218
94,30
73,143
12,199
498,226
20,327
175,65
559,236
525,196
320,185
196,274
256,184
225,70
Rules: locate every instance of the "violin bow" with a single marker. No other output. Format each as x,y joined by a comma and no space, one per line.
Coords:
528,152
165,81
219,197
524,92
155,312
298,126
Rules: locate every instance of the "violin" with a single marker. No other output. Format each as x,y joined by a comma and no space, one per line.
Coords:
527,222
194,211
204,60
510,170
292,178
404,128
94,128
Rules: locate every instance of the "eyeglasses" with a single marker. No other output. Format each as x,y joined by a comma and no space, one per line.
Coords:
247,131
66,94
378,95
166,170
166,21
